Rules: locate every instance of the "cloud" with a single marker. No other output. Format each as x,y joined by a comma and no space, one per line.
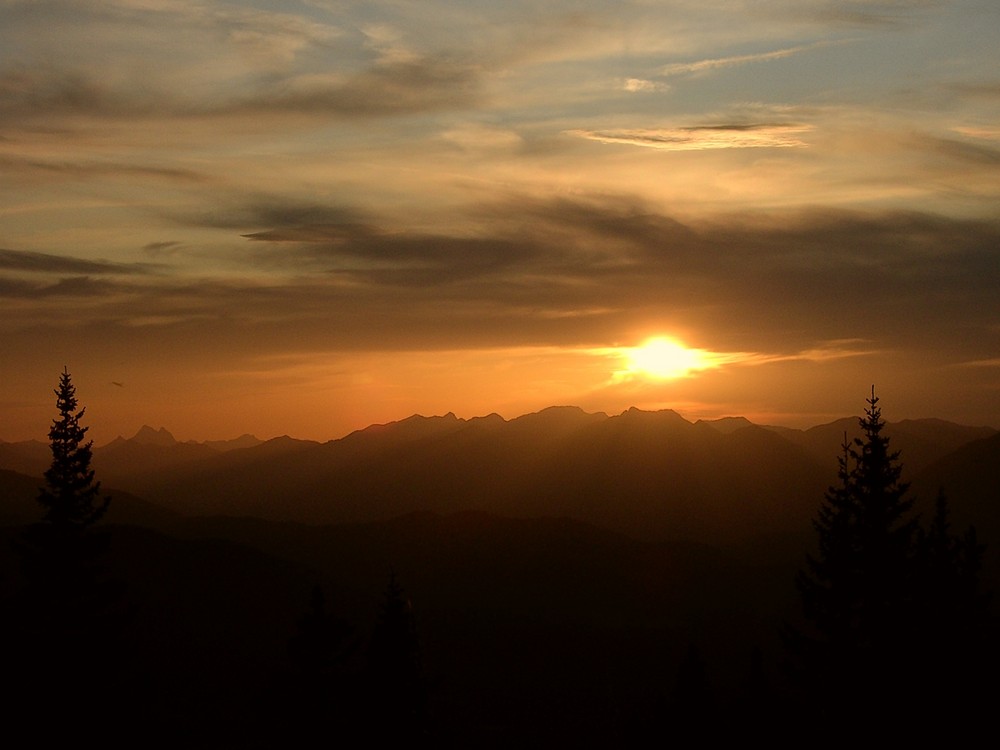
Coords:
865,13
476,137
987,91
959,150
14,288
71,287
527,271
164,247
272,212
727,62
33,93
634,85
91,169
399,88
703,137
269,36
826,351
194,60
33,262
385,90
76,286
984,132
536,267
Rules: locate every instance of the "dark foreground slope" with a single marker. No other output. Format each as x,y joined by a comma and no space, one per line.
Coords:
537,628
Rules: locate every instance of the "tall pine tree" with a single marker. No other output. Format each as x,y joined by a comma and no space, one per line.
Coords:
858,591
71,497
68,659
894,613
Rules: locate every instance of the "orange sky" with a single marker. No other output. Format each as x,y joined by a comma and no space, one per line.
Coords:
305,217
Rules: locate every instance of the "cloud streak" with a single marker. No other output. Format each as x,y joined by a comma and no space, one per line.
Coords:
701,66
34,262
704,137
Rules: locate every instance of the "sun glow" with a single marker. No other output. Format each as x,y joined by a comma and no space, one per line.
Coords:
665,359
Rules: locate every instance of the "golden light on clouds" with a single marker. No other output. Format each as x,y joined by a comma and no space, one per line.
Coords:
703,137
291,204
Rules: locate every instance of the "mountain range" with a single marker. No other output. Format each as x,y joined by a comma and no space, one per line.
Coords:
561,564
652,475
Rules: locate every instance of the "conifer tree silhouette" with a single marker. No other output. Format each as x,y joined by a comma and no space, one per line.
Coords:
858,592
395,673
68,657
895,613
71,497
319,647
954,616
314,697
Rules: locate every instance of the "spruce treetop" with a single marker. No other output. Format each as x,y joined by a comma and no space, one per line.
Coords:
894,611
71,497
858,589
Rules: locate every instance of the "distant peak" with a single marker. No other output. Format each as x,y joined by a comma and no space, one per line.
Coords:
245,440
148,436
726,425
414,426
635,412
420,418
490,419
564,415
565,409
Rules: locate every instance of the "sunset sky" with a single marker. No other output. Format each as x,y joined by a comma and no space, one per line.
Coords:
306,217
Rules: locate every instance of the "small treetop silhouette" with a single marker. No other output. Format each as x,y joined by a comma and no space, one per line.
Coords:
395,674
71,497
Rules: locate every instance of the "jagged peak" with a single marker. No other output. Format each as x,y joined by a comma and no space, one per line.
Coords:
149,436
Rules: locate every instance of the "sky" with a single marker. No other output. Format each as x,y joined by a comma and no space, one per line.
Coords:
306,217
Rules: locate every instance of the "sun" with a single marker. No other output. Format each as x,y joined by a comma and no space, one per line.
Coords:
664,358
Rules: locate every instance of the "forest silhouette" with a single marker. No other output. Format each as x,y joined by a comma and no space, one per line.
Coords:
685,610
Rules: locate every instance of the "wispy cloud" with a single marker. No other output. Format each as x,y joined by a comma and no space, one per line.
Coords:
993,362
989,133
714,63
635,85
425,84
33,262
386,89
826,352
475,137
760,135
92,169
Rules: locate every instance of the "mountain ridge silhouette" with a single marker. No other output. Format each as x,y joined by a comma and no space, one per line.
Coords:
647,473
